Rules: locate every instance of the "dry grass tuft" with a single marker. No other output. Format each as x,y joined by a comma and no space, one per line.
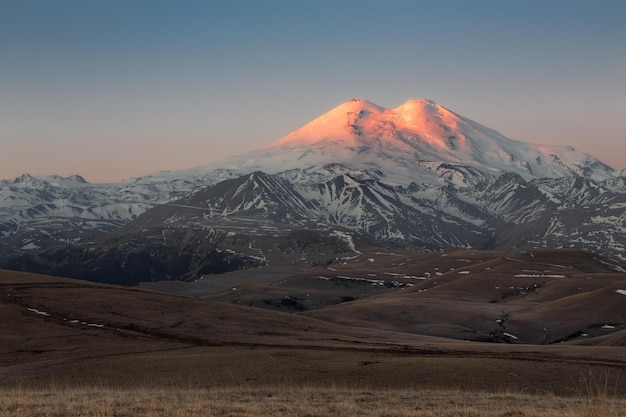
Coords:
596,392
292,401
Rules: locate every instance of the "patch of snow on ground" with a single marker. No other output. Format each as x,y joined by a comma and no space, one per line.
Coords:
30,246
41,313
84,323
346,238
347,278
614,267
510,335
538,276
623,292
608,326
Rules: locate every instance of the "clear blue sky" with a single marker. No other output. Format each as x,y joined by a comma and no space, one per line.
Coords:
115,89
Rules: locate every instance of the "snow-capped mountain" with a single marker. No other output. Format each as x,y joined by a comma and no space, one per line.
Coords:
259,219
410,143
36,212
417,175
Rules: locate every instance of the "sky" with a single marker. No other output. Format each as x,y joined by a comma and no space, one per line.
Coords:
117,89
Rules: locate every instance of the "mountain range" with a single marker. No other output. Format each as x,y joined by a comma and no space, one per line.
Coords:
357,178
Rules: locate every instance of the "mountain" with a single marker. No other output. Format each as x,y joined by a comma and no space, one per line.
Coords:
37,212
356,178
409,143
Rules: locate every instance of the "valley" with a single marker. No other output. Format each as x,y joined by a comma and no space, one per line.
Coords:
74,331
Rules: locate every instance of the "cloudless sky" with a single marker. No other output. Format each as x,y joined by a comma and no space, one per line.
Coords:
115,89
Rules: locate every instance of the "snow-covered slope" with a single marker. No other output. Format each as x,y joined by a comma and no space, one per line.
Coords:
406,143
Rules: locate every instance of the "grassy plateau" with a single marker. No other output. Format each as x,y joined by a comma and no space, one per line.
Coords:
75,348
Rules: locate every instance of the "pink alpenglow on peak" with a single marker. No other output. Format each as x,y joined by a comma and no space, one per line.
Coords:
328,125
408,142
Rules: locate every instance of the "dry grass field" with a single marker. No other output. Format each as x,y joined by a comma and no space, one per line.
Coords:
75,348
295,401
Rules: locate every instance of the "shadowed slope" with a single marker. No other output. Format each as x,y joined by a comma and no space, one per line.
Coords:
540,297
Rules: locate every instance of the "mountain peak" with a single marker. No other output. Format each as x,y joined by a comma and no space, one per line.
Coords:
334,125
413,104
410,106
49,179
358,102
355,105
26,177
425,117
359,134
